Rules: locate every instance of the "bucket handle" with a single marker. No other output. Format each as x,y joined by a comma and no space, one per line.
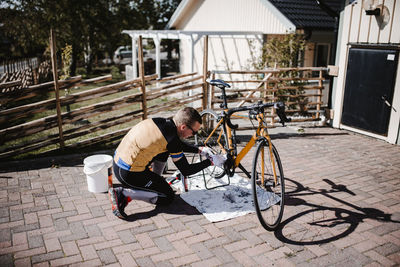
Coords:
93,172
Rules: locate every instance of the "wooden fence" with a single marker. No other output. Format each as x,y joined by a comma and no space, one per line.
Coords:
299,88
23,73
104,114
97,110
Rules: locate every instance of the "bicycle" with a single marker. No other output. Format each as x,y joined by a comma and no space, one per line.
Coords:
218,133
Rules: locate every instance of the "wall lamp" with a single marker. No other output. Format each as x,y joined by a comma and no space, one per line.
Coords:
372,8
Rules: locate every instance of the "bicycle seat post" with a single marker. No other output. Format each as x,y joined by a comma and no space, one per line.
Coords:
224,104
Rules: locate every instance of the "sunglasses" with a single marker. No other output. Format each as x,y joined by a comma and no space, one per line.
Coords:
193,131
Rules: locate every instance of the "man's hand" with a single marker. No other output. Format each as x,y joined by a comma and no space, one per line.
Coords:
206,151
218,160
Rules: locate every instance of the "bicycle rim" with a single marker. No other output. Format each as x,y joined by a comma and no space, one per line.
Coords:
214,141
268,195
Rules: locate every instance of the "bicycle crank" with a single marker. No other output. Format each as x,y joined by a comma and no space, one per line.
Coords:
229,165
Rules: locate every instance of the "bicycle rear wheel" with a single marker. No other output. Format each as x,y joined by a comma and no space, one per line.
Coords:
216,142
268,194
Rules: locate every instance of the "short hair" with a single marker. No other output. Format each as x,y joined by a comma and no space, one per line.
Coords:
187,116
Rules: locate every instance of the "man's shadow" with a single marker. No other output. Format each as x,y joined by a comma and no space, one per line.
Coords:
177,207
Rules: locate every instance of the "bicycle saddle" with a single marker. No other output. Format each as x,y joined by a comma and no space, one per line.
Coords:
218,83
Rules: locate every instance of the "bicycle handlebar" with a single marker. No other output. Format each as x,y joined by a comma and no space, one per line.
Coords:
279,106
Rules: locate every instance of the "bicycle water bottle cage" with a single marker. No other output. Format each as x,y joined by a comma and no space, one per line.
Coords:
219,83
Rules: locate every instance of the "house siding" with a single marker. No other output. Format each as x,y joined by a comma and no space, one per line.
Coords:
357,27
224,53
232,15
228,52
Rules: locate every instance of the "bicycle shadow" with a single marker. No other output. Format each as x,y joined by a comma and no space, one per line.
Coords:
320,224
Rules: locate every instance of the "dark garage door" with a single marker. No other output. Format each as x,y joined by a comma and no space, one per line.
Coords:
369,89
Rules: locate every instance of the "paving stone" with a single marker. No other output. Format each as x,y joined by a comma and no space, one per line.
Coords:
5,235
126,236
106,256
163,244
220,241
387,249
143,229
70,248
223,255
145,261
25,228
61,224
202,251
251,237
161,232
6,260
195,227
301,256
97,211
93,230
16,215
47,256
64,214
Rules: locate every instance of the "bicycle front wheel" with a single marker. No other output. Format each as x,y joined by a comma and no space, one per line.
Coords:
213,137
268,189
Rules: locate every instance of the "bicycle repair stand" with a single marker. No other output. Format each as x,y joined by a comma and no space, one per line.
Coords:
217,186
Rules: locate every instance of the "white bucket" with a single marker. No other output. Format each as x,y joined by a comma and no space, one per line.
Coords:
97,171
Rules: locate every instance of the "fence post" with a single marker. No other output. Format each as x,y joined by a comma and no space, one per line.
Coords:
141,76
212,94
205,70
320,84
56,87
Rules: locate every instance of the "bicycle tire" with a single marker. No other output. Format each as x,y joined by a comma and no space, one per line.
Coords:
210,120
268,197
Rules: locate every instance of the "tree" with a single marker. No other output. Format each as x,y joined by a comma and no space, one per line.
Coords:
285,51
282,52
91,27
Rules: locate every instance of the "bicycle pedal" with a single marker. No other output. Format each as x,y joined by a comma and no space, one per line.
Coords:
269,183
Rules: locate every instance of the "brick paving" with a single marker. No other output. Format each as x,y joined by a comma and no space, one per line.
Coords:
343,209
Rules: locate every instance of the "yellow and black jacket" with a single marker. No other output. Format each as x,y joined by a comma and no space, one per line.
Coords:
152,137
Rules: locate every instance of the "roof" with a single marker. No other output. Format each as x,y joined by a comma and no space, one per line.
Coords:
229,15
307,14
303,14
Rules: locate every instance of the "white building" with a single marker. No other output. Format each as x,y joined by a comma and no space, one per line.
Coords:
237,30
366,93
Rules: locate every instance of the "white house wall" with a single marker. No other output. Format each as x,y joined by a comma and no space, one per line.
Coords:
357,27
224,53
234,15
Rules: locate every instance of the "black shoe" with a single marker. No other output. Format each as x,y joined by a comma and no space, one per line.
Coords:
118,202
